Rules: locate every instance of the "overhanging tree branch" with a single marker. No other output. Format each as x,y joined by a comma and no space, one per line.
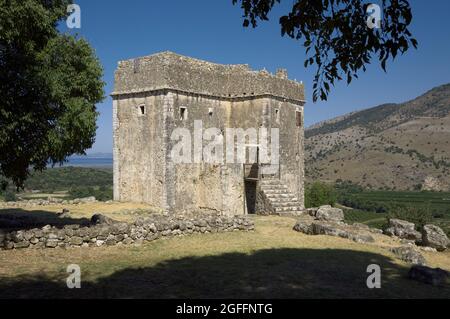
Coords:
336,35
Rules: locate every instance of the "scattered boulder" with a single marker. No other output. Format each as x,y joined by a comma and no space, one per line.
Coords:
99,219
361,237
409,255
329,213
401,224
334,229
302,227
403,229
328,220
328,228
433,236
311,211
431,276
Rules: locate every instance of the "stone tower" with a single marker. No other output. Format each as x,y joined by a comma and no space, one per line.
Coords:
158,96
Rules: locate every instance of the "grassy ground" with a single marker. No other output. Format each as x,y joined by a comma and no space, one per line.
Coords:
376,220
272,262
38,216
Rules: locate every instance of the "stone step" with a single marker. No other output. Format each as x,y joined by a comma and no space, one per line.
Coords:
293,213
285,204
270,182
287,209
269,186
282,199
272,189
280,195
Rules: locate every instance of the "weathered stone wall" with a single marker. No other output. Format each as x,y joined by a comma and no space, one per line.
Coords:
117,233
221,97
139,154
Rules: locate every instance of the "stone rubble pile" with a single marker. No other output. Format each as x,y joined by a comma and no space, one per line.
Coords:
403,230
327,220
409,254
105,231
431,236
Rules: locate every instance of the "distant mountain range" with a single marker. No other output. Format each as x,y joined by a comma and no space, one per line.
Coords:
391,146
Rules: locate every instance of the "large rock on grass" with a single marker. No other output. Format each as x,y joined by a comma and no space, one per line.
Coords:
433,236
329,213
302,227
403,229
409,255
99,219
334,229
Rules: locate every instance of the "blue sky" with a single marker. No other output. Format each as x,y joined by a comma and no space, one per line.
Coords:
212,30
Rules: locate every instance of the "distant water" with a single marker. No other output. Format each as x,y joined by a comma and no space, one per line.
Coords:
104,161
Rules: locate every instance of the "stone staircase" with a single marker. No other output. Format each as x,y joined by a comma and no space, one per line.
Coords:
279,199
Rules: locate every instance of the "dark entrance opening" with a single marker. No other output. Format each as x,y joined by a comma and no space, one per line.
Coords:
250,196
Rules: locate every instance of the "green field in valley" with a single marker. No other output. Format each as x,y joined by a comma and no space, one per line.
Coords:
432,200
374,207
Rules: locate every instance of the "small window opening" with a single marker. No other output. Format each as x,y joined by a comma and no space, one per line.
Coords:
183,113
142,109
298,118
277,115
210,112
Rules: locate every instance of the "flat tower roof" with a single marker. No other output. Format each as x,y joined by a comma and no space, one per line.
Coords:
168,70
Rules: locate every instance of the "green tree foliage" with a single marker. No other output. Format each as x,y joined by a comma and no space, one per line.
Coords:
8,196
336,36
102,193
65,178
49,85
318,194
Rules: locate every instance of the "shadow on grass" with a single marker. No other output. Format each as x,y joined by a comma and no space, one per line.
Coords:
269,273
20,219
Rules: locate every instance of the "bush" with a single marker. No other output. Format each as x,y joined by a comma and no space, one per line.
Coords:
9,196
318,194
418,216
103,193
61,179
